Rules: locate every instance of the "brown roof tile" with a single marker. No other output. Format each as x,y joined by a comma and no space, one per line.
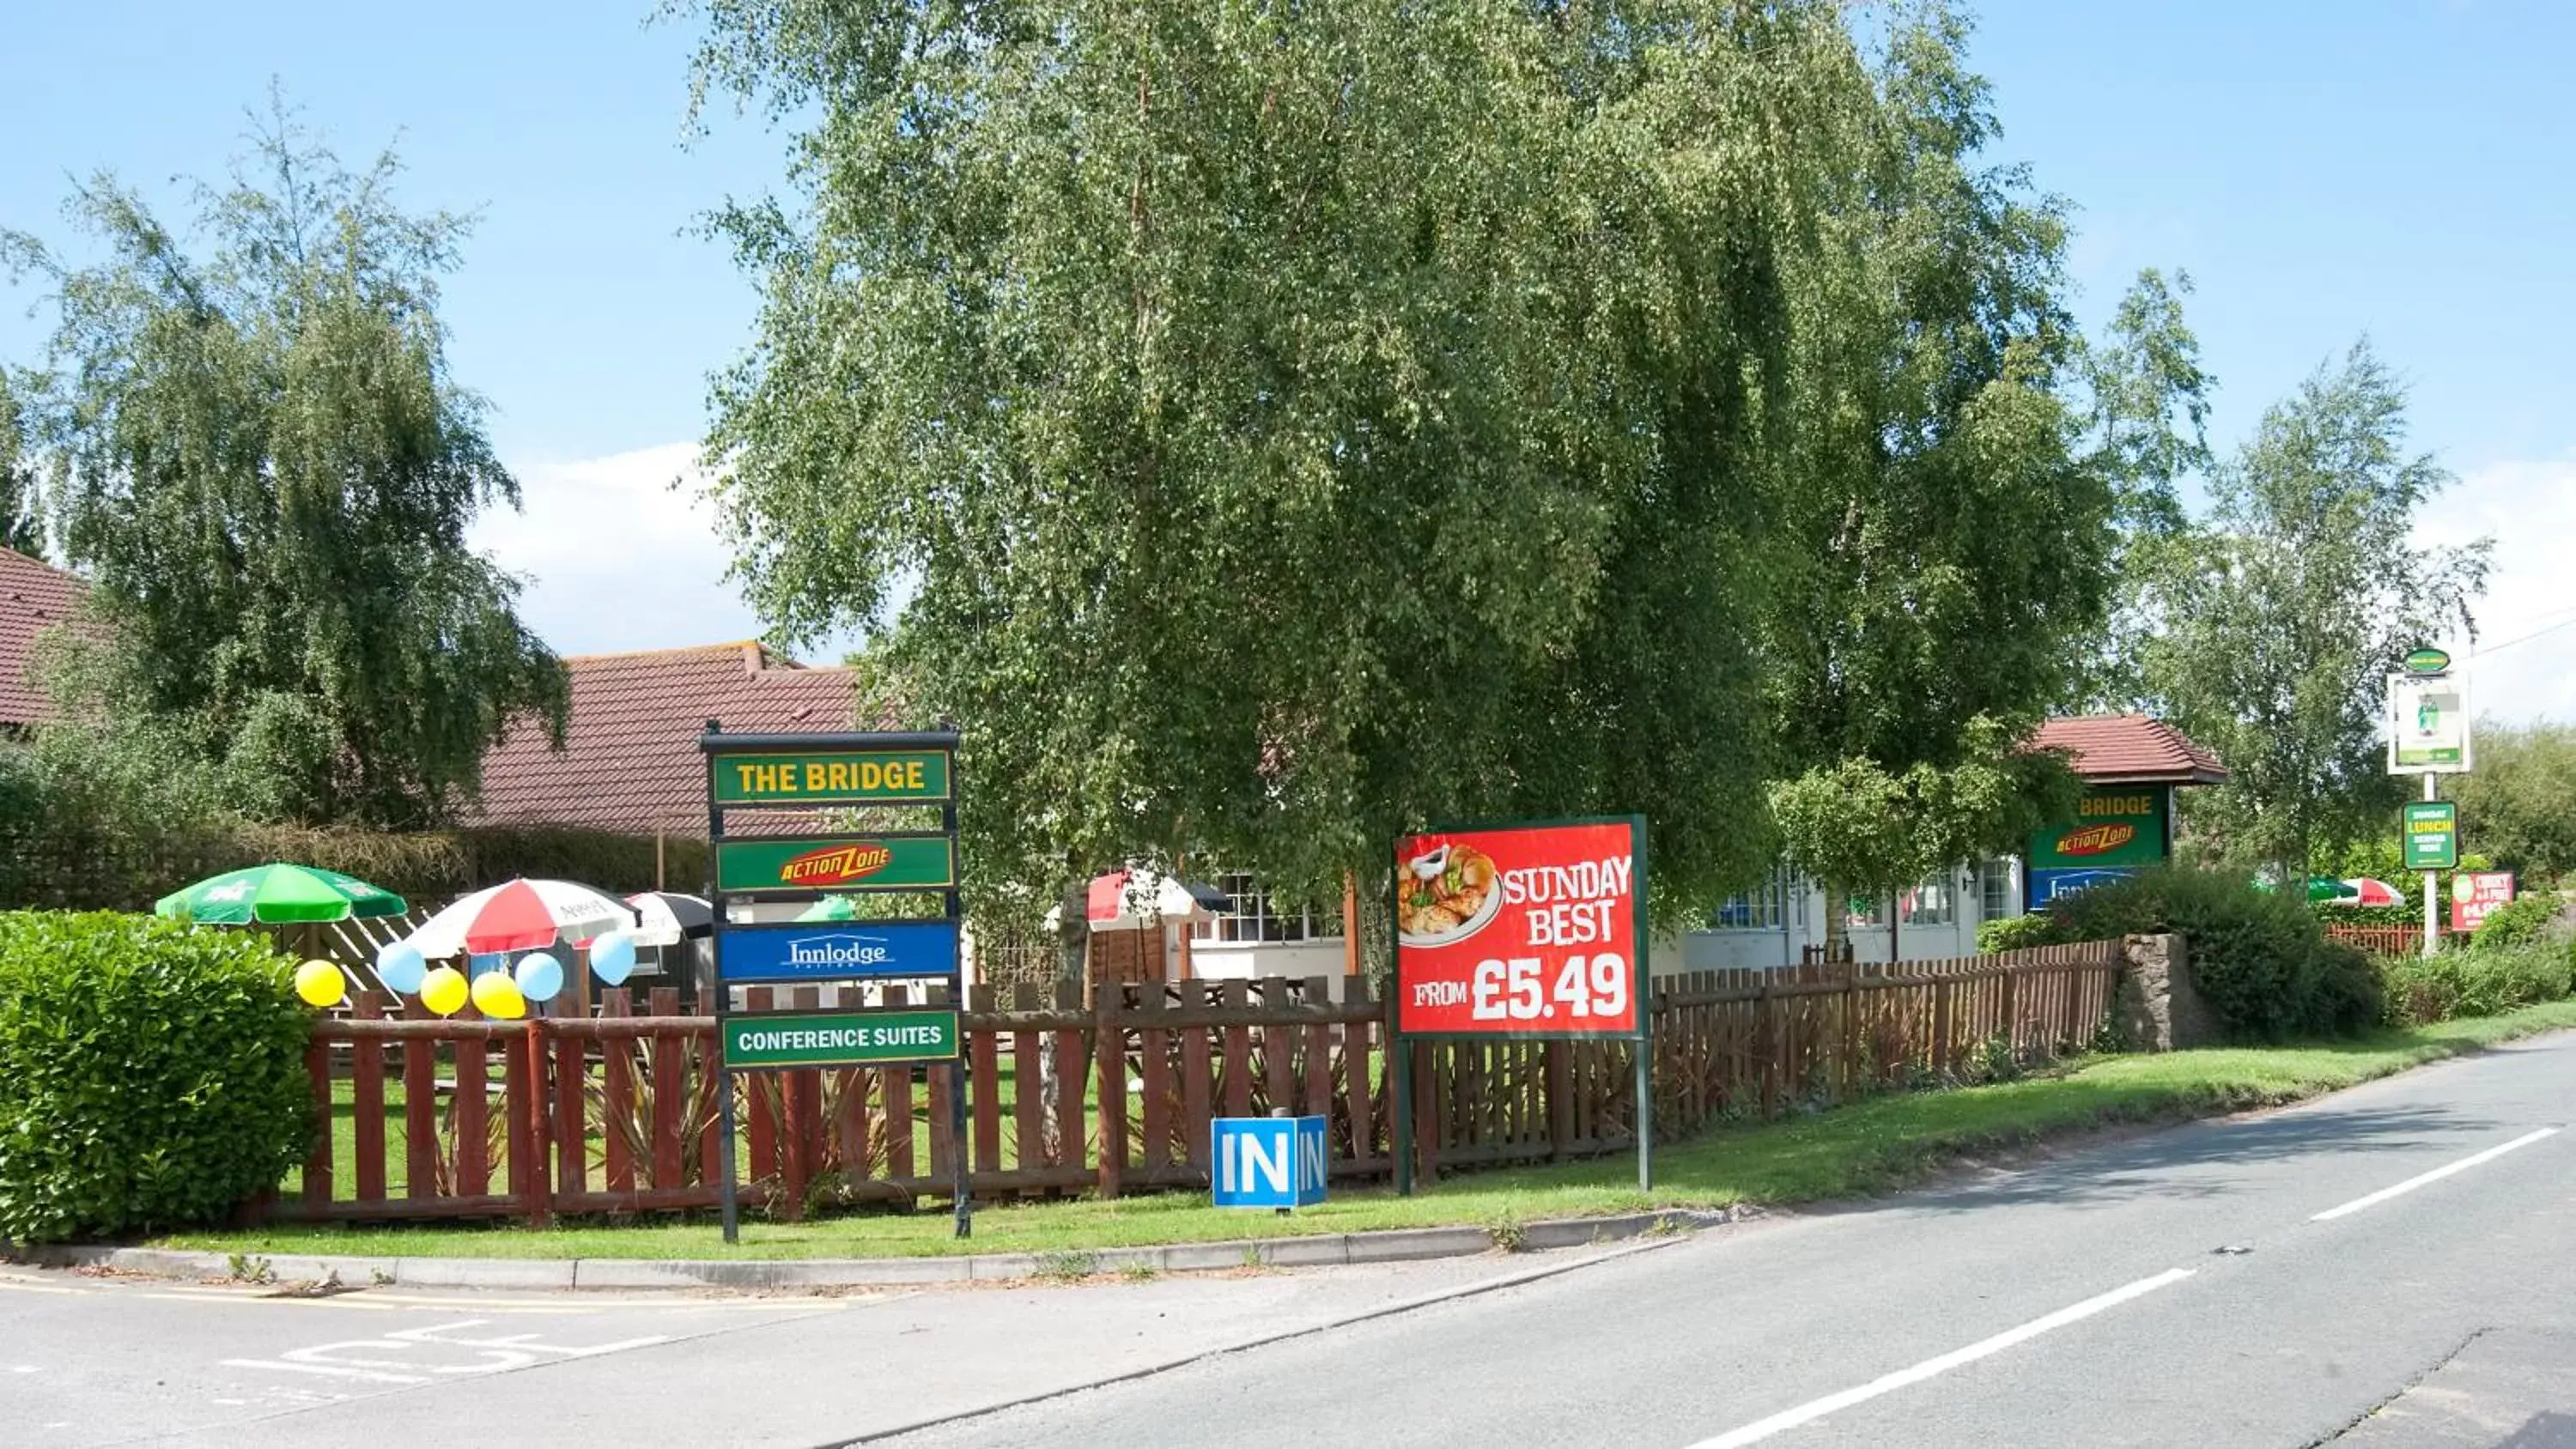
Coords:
630,760
2130,749
34,597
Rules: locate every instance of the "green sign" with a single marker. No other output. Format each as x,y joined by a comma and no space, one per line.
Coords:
2122,826
838,1039
838,777
2427,661
2432,835
843,863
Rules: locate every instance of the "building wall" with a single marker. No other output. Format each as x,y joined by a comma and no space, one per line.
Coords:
1770,947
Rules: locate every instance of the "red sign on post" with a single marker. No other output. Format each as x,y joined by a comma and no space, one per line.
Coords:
2474,893
1525,930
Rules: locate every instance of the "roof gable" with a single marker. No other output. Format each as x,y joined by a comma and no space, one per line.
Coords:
2130,749
34,597
630,761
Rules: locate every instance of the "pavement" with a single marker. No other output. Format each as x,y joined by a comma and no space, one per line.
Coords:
87,1360
2390,1266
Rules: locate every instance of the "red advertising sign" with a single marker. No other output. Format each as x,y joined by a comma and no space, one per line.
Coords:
1523,930
2476,892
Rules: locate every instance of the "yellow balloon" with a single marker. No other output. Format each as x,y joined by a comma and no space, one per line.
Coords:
498,997
443,990
321,984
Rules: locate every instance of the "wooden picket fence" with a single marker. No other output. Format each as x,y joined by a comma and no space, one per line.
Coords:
2379,940
617,1114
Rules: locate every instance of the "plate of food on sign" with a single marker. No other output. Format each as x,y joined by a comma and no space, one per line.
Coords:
1447,894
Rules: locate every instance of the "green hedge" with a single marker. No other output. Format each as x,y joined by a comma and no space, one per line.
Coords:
151,1076
2260,960
2522,921
2481,982
69,866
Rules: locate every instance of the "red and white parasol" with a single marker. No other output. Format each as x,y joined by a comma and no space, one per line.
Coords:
2363,891
1129,900
521,915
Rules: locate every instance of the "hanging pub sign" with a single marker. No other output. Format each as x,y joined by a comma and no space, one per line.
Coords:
1534,930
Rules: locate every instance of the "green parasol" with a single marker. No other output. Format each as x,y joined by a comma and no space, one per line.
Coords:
831,908
276,893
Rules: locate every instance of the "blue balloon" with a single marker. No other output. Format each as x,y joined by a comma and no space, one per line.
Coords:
540,976
401,967
612,956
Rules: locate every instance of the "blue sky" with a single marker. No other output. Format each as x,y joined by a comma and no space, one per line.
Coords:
2395,167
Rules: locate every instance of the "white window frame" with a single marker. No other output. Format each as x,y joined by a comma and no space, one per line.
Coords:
1998,893
1247,924
1941,886
1777,903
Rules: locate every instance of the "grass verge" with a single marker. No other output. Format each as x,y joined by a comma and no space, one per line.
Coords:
1870,1147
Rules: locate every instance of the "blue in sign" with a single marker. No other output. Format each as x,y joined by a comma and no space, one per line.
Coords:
837,951
2047,885
1268,1162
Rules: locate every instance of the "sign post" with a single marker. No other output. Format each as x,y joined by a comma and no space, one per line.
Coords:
857,771
1518,932
2428,732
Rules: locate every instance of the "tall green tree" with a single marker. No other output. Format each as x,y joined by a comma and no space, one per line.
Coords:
2145,433
2285,609
265,467
2519,804
1291,423
22,519
1946,558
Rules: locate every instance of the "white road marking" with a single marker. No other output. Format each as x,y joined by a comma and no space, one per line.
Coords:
488,1354
1889,1383
2436,1175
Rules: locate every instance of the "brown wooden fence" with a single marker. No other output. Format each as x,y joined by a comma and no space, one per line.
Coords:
459,1118
2379,940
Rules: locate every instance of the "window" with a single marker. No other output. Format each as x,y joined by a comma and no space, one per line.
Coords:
1764,909
1996,897
1933,903
1865,909
1255,918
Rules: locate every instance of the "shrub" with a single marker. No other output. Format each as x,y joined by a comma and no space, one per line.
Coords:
2012,933
2483,982
2260,960
2345,990
151,1075
2525,920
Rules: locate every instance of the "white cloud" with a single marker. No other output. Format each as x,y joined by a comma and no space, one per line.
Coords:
615,557
2529,509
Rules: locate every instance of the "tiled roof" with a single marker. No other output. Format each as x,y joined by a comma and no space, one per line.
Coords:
630,760
33,598
2130,749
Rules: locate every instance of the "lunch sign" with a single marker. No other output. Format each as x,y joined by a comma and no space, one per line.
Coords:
763,774
1519,931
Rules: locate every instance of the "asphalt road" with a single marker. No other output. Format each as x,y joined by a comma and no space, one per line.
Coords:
2394,1266
2177,1289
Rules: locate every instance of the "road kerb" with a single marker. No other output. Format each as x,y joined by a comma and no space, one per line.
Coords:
788,1275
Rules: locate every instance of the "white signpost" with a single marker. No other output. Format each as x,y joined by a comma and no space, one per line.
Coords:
2428,734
